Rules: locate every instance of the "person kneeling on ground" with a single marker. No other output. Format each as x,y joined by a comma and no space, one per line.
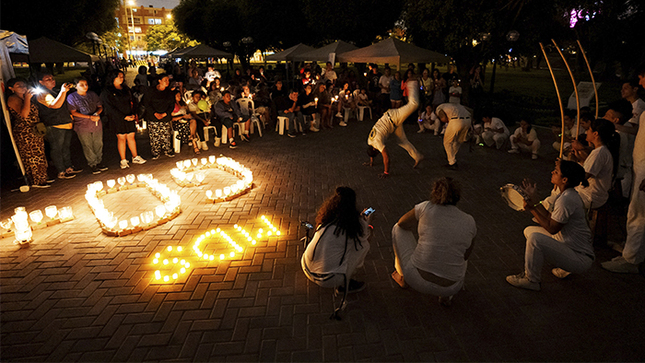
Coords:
563,237
340,243
436,264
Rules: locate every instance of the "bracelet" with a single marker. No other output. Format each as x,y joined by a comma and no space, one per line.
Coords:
370,226
536,204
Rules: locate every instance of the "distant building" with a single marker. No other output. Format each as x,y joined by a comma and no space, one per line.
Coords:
142,17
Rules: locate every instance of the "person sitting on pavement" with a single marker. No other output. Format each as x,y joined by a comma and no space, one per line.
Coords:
228,113
563,238
458,120
492,131
429,121
85,107
525,139
340,244
436,263
392,123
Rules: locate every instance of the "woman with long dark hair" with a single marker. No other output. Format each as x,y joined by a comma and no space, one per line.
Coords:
340,243
120,109
563,238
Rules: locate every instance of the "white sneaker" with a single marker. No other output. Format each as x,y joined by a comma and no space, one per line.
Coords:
339,114
523,282
217,142
204,146
534,157
620,265
125,164
313,129
342,123
137,160
560,273
513,151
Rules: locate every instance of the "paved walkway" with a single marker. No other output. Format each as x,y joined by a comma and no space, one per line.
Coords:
78,295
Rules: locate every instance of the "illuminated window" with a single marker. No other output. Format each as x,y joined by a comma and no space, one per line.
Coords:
117,21
137,29
151,21
157,21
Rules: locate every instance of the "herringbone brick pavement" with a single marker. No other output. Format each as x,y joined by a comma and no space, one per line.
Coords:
78,295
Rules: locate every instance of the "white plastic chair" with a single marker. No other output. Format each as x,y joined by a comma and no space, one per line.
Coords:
176,143
247,107
361,112
282,124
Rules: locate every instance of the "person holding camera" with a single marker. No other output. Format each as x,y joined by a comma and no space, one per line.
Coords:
436,263
340,243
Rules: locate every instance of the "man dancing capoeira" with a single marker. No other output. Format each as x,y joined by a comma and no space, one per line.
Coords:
458,119
392,122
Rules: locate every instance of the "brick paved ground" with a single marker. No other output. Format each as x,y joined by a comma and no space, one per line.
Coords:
78,295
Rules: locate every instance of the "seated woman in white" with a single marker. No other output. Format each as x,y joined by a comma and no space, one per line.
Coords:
340,243
563,238
436,264
599,164
525,139
492,131
429,121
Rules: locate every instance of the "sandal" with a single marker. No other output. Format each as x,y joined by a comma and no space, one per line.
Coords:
196,149
399,279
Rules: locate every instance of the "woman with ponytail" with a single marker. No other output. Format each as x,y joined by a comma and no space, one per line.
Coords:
340,243
563,238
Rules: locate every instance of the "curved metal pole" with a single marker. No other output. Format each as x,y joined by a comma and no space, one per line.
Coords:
593,80
557,91
575,89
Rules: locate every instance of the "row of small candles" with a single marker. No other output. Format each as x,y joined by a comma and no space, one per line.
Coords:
172,262
20,220
192,169
111,225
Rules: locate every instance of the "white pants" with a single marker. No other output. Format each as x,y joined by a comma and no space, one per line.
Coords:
456,134
634,251
436,126
398,116
540,246
404,245
491,138
355,261
533,148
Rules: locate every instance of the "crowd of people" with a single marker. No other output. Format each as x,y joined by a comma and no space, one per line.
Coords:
599,156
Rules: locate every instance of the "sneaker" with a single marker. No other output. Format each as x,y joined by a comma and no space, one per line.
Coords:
155,157
354,286
65,175
560,273
523,282
96,170
204,145
139,160
620,265
244,137
534,156
102,167
217,142
41,185
339,114
343,123
170,154
291,135
232,145
313,129
513,151
50,180
124,164
73,170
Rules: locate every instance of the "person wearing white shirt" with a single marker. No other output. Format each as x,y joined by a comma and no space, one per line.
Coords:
392,123
525,139
429,121
212,74
634,251
329,75
563,238
492,132
436,263
458,119
629,91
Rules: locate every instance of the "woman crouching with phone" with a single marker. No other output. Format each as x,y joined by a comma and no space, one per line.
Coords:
340,243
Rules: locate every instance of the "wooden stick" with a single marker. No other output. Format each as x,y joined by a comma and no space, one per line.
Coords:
575,89
557,91
593,80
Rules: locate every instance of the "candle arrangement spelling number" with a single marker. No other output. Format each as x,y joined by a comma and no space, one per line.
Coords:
174,262
161,214
192,173
19,225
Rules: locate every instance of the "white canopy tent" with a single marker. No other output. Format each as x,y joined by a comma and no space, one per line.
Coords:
393,51
326,53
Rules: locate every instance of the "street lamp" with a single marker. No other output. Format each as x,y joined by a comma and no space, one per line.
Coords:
134,35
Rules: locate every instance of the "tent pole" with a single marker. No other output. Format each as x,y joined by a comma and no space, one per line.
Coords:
7,120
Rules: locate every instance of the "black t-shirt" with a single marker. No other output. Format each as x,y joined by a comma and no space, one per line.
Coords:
374,79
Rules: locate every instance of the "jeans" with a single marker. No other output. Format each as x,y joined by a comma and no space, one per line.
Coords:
294,121
92,143
540,246
60,141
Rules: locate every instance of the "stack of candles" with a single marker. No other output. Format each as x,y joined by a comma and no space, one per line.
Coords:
146,220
